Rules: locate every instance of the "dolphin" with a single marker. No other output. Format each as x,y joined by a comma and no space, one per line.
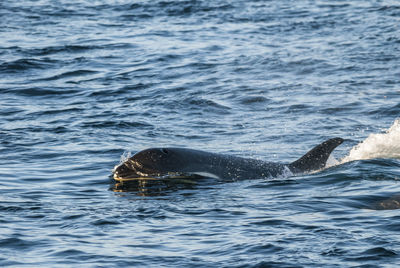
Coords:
159,162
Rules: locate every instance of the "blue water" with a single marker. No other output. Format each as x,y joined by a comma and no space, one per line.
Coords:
84,82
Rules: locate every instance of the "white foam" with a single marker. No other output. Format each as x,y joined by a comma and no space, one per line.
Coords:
382,145
125,156
332,161
287,173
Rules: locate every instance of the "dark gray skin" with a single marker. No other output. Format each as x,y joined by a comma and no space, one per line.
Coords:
156,162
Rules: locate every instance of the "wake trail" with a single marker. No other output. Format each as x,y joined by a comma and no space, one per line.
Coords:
380,145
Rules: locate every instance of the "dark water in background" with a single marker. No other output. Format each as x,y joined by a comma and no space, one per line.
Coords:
82,82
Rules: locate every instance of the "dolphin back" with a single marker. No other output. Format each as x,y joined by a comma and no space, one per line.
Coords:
316,158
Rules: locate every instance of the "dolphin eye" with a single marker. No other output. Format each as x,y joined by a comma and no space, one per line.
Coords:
164,151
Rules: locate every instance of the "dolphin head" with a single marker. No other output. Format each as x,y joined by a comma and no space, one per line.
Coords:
153,162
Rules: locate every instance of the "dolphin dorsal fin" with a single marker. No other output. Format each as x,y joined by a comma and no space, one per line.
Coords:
316,158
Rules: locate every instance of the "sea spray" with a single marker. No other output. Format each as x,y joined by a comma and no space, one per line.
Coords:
381,145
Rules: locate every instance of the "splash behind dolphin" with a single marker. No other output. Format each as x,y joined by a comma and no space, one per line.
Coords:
158,162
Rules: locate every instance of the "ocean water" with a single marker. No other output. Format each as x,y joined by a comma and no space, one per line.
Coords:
85,83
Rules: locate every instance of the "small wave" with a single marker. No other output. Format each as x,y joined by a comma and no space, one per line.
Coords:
25,64
381,145
42,91
250,100
116,124
17,243
69,74
179,8
45,51
376,253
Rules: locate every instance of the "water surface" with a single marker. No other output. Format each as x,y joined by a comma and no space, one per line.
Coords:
82,83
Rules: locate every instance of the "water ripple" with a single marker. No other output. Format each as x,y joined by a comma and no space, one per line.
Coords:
83,83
